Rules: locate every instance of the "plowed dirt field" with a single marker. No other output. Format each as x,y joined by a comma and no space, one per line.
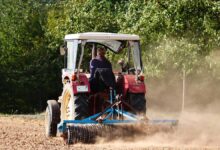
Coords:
23,132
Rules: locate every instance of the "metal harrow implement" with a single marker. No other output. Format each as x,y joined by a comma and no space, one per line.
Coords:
111,123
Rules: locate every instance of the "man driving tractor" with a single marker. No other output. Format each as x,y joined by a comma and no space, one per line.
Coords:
100,61
101,77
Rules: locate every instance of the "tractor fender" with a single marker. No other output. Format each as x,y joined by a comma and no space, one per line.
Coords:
131,85
55,110
81,85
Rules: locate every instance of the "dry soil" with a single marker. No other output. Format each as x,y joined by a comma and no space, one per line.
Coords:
193,132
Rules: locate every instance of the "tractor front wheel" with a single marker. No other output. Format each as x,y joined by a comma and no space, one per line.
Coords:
52,118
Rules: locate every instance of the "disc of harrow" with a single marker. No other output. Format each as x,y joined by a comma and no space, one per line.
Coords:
89,132
69,139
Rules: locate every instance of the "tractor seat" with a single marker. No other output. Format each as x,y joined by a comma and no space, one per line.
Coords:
105,78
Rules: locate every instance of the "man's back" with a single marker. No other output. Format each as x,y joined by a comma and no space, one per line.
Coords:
98,62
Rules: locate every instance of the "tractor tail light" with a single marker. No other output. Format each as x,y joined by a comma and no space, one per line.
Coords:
141,78
74,77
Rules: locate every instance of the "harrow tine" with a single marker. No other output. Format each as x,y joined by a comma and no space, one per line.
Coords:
69,139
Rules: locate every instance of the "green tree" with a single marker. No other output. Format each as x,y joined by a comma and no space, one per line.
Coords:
27,64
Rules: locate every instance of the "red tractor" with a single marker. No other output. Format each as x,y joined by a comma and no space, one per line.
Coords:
120,97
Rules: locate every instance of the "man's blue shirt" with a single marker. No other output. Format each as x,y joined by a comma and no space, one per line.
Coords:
98,62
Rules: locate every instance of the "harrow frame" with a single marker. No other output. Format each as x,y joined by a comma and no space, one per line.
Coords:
114,115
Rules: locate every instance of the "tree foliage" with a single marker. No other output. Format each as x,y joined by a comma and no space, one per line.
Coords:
174,34
28,66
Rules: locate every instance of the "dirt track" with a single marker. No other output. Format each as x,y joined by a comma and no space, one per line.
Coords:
27,132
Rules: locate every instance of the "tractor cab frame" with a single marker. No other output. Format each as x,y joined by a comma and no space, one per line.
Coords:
75,47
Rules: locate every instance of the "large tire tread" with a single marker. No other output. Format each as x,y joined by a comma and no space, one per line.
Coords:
81,107
52,118
138,102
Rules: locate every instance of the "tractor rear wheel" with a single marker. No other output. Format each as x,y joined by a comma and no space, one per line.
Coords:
74,107
138,102
81,107
52,118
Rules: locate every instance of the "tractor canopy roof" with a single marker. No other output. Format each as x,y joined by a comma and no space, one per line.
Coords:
115,42
101,36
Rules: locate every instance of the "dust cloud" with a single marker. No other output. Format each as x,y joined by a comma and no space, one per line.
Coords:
199,123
